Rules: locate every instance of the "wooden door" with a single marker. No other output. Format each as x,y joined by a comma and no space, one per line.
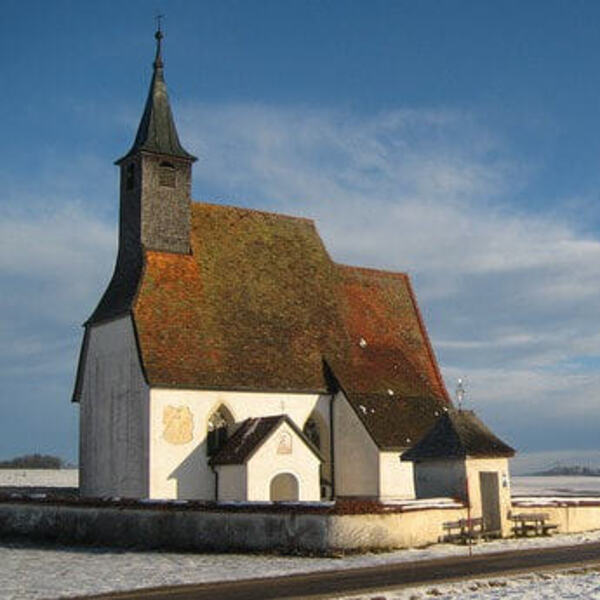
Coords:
490,501
284,487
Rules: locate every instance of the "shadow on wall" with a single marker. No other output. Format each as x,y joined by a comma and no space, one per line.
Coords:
443,480
189,474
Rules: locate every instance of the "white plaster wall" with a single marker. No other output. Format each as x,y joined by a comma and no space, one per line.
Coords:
410,529
498,465
182,470
266,463
440,478
113,445
232,482
356,466
396,479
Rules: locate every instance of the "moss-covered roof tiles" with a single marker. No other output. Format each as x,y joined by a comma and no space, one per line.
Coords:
252,308
259,305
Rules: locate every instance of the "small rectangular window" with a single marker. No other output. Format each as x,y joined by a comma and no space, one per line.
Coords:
166,175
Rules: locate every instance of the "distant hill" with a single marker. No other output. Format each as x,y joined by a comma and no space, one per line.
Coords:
33,461
573,470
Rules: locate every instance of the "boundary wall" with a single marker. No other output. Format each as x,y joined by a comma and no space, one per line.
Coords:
572,515
288,529
284,528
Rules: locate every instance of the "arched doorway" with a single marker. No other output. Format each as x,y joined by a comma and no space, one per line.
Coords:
284,488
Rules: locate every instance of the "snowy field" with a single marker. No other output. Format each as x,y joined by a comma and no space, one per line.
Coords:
35,572
39,478
555,486
583,584
521,486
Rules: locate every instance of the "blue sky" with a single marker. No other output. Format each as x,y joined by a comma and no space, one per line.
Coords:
458,141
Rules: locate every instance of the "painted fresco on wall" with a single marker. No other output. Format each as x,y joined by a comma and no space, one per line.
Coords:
284,445
178,424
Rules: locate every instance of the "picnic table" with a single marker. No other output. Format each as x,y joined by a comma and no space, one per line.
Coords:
531,523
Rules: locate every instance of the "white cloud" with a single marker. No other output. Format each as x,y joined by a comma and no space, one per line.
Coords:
509,293
54,262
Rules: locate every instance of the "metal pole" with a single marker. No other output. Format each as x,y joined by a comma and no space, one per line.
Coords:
469,517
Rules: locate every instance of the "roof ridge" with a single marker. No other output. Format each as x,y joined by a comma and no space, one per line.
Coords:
268,213
373,270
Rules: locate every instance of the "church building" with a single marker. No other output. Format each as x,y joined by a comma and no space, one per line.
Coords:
231,359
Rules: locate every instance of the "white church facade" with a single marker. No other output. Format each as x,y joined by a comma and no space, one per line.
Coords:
232,359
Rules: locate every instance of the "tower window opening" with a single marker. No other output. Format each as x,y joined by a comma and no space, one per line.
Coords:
130,177
166,175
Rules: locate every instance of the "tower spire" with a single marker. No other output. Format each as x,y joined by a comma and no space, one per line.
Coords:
157,132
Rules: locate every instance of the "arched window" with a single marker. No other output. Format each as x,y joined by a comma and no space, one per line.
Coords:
284,488
216,434
166,174
313,432
316,431
130,177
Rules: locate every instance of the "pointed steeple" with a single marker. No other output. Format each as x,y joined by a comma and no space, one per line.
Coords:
157,132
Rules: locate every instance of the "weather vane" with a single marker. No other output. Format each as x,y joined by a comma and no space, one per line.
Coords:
460,393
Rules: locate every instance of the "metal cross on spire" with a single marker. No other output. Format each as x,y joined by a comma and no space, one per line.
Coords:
159,19
158,36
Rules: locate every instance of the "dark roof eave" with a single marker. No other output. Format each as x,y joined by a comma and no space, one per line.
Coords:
249,389
187,157
461,456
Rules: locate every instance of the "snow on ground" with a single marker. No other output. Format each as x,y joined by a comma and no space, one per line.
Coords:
576,583
39,477
36,572
555,486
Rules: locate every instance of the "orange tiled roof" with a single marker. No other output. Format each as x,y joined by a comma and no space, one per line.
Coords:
259,305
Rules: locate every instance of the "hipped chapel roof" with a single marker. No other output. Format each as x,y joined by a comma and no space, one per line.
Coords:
458,434
260,306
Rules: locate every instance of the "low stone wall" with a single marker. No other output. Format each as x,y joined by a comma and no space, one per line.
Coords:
165,529
171,527
305,529
397,530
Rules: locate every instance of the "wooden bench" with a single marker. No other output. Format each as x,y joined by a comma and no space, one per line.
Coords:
531,523
463,530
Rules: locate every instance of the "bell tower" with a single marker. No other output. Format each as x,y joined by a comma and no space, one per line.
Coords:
156,175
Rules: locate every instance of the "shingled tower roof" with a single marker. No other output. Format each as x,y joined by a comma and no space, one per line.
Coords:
157,132
458,434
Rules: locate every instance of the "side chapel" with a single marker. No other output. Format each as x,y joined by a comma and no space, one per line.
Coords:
231,359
